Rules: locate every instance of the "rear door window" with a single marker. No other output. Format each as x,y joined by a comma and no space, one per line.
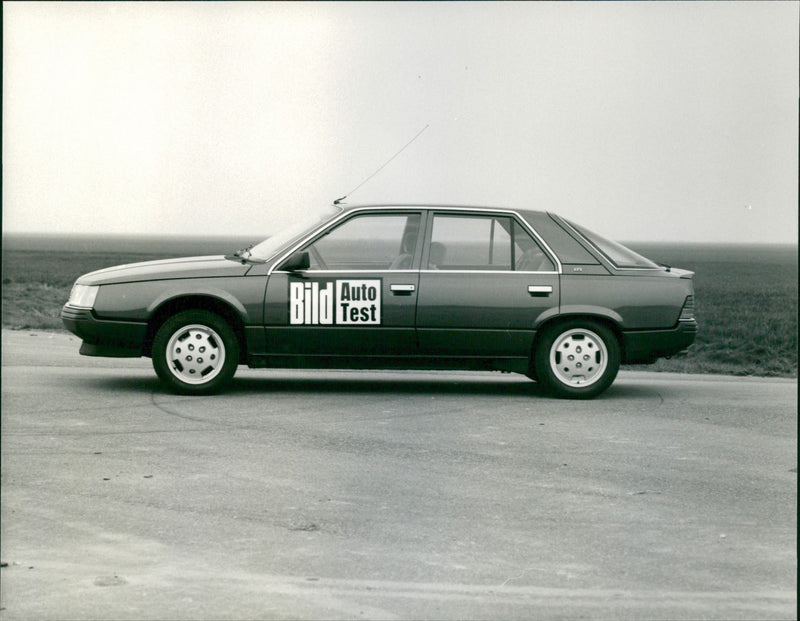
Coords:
483,243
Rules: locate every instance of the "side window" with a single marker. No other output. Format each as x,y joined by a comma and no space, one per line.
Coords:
367,242
470,243
529,257
497,243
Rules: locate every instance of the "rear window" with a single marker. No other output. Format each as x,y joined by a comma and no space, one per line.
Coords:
615,252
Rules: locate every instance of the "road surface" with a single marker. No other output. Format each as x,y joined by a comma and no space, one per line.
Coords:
384,495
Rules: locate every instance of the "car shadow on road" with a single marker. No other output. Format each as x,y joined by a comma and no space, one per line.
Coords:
392,384
388,384
621,390
123,384
374,383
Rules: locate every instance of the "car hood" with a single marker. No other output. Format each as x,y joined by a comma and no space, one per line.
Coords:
189,267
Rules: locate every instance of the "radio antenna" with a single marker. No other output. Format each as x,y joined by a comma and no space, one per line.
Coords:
419,133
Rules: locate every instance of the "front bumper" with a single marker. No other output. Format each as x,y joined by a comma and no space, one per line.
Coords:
643,347
101,337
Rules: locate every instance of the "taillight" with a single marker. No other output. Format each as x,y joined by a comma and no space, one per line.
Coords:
687,312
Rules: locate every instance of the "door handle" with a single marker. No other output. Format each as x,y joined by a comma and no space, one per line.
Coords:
540,291
402,289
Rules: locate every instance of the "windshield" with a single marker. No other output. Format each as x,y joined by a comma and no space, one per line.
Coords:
270,246
615,252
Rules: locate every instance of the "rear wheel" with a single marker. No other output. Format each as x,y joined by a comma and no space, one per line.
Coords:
195,352
577,359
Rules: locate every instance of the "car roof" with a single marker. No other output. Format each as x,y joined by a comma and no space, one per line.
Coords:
389,206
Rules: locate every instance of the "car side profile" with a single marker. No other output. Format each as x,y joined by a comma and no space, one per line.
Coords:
396,287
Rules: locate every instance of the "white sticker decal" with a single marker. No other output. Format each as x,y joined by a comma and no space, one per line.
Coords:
358,301
335,302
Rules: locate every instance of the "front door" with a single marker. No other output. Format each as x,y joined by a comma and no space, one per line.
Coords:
358,297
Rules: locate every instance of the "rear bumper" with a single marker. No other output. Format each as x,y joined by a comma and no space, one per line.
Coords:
643,347
115,339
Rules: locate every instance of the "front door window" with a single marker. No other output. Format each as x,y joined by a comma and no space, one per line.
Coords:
368,242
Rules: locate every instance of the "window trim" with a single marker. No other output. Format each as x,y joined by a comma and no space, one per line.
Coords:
427,212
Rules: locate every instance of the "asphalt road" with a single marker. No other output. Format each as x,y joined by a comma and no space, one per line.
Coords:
390,495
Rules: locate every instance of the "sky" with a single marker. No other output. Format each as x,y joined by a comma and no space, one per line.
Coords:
644,121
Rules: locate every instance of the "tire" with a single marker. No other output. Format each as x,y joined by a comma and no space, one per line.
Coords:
195,352
577,359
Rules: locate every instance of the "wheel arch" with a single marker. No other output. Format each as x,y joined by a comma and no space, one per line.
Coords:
210,303
602,319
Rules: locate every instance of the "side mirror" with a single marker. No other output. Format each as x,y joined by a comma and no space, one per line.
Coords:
298,262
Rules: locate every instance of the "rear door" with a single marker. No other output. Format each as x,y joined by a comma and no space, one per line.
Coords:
484,282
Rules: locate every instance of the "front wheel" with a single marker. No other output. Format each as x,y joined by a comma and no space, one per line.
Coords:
195,352
577,359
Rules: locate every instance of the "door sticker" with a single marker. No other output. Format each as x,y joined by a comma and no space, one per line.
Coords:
341,302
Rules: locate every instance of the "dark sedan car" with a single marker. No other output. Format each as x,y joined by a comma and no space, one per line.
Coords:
399,287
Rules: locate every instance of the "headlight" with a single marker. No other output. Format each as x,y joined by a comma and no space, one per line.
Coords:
83,296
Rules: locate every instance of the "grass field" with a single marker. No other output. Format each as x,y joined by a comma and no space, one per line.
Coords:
746,296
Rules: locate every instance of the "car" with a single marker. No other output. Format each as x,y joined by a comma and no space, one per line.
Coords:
396,287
